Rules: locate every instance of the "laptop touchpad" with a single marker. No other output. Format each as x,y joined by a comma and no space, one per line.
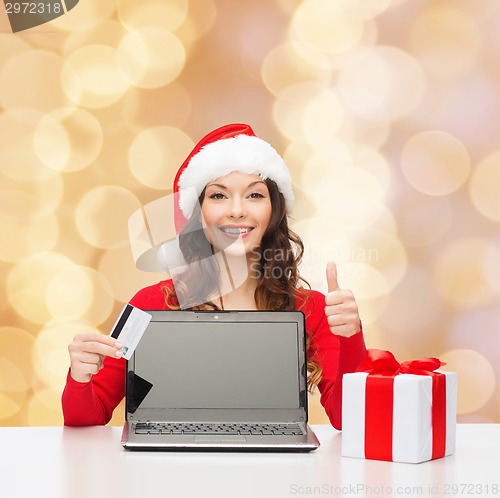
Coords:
219,439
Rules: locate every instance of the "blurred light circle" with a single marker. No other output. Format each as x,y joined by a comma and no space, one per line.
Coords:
387,74
18,159
146,108
153,13
322,25
459,274
422,219
44,407
16,343
485,187
30,201
91,77
23,238
86,16
382,249
18,75
476,378
13,390
141,57
362,9
102,216
201,18
107,33
413,310
366,118
68,139
323,117
372,161
156,154
294,62
351,199
435,162
27,284
491,263
50,353
115,263
290,106
80,292
69,292
11,46
446,40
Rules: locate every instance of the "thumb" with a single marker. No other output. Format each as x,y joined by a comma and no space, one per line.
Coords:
331,277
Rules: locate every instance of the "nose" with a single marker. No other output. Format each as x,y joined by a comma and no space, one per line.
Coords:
236,208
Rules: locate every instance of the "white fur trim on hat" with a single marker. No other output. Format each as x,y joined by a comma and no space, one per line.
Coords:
243,153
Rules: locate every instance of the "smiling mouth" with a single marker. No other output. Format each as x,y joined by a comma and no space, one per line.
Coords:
235,231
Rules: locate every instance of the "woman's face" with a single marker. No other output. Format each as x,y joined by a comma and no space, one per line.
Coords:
236,211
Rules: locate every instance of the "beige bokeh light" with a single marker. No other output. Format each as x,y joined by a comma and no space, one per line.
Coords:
485,187
25,237
322,25
395,79
435,162
91,77
102,213
21,70
86,16
28,281
141,57
294,62
68,139
157,153
80,292
459,273
125,279
446,40
18,158
476,378
152,13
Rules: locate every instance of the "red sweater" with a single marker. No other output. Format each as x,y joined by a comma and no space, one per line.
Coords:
92,403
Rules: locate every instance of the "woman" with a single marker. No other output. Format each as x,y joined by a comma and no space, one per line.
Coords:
234,192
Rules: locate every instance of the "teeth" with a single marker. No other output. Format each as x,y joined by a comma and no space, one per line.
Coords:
235,231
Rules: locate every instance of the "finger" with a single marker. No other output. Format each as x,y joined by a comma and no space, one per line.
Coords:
95,347
101,338
331,277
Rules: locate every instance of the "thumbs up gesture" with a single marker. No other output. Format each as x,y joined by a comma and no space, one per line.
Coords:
341,309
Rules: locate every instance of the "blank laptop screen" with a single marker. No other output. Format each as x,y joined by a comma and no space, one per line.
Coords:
220,365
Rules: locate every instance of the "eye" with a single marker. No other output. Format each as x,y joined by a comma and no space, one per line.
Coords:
217,196
256,195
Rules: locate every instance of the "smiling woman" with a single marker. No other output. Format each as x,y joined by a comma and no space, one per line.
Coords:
232,198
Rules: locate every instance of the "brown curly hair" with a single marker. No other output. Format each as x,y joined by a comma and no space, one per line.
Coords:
279,282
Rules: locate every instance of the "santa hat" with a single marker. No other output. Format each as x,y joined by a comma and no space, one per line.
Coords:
233,147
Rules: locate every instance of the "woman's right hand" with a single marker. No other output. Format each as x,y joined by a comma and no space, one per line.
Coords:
87,352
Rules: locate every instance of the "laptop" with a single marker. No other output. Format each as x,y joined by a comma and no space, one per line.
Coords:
225,380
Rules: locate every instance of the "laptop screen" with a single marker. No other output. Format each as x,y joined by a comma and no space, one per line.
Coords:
221,364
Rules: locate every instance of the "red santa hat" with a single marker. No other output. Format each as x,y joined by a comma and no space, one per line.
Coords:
233,147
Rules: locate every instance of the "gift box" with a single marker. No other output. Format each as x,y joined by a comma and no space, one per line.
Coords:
398,412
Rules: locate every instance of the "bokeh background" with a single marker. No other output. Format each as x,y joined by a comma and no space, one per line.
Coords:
386,111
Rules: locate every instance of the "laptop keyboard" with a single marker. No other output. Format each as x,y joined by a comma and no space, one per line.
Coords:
217,428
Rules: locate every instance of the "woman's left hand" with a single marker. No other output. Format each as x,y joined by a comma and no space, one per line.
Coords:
341,309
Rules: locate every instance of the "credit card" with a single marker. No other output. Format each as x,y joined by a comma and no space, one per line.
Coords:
129,329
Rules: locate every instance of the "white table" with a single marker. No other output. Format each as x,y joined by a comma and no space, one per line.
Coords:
57,462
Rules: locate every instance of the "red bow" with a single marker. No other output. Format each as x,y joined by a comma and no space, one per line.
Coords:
384,363
382,368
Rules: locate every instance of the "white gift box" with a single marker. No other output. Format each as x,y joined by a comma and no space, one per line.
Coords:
412,431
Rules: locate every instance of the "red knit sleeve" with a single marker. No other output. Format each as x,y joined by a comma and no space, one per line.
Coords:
92,403
336,355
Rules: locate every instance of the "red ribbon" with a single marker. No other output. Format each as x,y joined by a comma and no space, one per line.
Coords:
382,368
